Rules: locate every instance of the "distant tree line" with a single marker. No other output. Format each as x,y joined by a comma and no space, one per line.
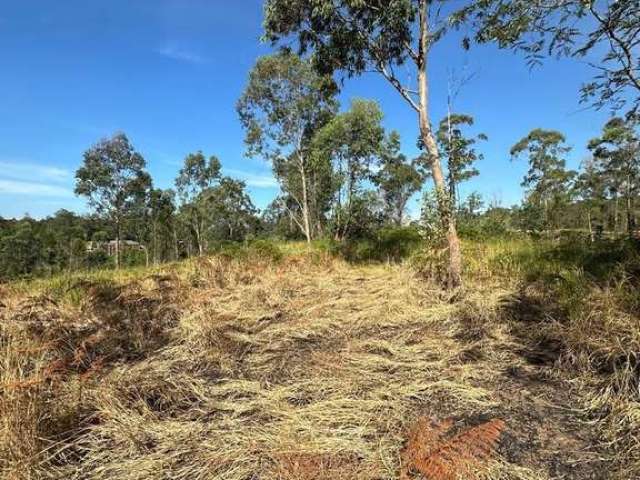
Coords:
357,180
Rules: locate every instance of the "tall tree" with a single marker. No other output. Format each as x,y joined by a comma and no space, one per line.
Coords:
285,102
162,218
69,236
618,152
398,179
458,150
232,214
590,188
574,28
20,251
352,141
547,181
113,178
195,177
355,36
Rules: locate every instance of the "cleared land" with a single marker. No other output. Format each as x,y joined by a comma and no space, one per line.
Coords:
305,367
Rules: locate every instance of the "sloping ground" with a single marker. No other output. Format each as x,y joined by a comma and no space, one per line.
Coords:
305,369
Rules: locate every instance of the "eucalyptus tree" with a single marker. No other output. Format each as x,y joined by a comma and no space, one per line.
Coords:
591,188
352,141
69,236
20,250
231,212
458,150
195,177
284,103
397,179
618,152
162,215
113,178
570,28
382,36
547,181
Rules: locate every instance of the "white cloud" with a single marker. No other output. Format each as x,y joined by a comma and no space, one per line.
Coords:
32,171
19,187
254,180
180,54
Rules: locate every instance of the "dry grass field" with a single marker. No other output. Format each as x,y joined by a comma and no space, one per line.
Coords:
309,368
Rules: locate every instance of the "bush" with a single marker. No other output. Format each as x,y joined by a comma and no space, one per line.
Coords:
389,244
132,258
266,250
98,259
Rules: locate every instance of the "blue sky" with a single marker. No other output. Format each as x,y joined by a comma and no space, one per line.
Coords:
169,72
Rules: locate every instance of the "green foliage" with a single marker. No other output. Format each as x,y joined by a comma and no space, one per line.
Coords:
112,176
616,165
162,225
390,244
284,103
133,258
20,252
277,220
430,219
573,28
114,180
230,211
335,31
351,141
397,179
548,183
97,259
197,174
256,250
458,150
265,250
195,178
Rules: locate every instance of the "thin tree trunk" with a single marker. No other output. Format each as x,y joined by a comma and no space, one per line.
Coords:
117,244
338,219
305,202
198,232
444,202
629,207
615,217
155,243
176,253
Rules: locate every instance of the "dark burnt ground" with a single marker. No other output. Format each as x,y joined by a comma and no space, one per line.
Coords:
547,429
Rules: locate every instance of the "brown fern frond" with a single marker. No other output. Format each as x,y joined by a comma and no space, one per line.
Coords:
458,457
425,436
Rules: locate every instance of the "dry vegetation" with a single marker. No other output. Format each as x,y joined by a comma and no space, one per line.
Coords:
308,367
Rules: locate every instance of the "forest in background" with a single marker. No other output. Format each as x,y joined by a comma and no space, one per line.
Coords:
360,185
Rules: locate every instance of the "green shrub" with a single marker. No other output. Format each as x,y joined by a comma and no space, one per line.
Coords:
258,249
132,258
98,259
389,244
264,250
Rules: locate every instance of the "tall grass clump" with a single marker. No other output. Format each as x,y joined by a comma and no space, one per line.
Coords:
583,298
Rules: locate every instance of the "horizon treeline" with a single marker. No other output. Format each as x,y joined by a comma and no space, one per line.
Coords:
360,183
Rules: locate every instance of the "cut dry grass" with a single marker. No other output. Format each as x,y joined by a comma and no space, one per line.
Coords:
306,368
